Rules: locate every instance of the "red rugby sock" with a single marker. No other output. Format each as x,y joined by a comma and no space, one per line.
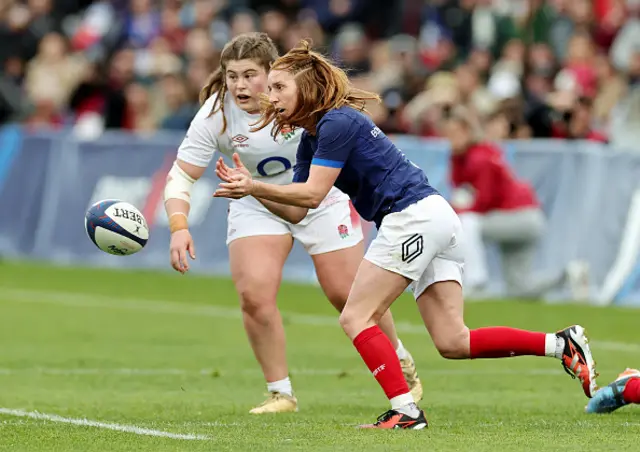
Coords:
381,359
503,342
631,393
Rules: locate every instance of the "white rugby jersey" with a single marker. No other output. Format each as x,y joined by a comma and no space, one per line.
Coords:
263,156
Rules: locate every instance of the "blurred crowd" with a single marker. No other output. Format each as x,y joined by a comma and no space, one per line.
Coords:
522,68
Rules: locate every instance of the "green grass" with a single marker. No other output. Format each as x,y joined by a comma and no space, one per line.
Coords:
168,352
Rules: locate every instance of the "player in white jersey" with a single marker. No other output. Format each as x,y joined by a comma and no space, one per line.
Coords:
259,241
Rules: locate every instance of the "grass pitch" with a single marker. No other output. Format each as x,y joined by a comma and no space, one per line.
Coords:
86,354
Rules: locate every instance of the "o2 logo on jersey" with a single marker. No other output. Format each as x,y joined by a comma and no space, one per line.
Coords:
274,163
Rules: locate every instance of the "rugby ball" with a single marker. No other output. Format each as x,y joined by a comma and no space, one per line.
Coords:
116,227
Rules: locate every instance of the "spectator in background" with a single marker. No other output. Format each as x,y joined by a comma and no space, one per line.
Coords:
274,22
612,88
493,206
180,105
625,117
138,113
351,50
243,21
52,76
143,24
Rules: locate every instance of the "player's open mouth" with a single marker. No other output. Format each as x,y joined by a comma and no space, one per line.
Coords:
281,110
243,97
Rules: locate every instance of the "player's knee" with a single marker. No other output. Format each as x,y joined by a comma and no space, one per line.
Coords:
257,304
453,345
350,322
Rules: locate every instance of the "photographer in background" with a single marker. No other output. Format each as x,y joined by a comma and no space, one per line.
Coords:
565,116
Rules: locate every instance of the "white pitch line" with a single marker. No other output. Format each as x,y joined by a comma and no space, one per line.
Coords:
85,300
52,371
105,425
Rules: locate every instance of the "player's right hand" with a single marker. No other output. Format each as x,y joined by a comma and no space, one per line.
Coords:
181,244
225,173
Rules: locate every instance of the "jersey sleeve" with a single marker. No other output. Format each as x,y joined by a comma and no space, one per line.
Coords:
303,163
337,137
201,141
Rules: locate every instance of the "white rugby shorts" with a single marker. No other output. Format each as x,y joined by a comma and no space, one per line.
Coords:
330,227
422,243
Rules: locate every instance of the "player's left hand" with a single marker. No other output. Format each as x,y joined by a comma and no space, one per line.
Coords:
238,182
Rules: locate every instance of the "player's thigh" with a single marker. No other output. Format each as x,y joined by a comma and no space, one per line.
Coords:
372,293
259,244
336,271
256,267
441,306
440,300
332,235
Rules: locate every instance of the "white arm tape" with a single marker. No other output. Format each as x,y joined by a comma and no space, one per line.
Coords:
178,185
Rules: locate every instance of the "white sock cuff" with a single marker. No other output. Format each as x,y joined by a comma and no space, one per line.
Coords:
400,401
282,386
401,351
552,346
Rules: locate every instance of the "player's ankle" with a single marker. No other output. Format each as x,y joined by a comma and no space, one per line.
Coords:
401,351
410,409
282,386
554,345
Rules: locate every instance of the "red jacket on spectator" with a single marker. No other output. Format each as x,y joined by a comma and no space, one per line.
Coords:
592,135
494,185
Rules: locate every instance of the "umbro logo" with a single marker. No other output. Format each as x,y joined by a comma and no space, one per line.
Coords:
239,141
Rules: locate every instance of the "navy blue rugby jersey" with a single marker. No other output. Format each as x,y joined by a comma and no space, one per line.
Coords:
378,178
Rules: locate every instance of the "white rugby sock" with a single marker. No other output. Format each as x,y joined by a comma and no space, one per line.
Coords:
404,404
281,386
553,345
401,351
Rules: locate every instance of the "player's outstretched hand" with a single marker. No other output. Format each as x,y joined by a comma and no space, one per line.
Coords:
181,244
224,172
238,182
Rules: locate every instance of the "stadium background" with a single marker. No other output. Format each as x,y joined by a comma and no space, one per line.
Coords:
94,99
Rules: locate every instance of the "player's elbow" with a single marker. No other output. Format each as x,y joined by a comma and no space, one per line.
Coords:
314,199
314,203
297,217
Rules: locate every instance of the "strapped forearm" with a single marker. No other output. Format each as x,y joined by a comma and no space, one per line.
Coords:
177,197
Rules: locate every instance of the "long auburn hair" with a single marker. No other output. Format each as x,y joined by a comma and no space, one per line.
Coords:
322,86
248,46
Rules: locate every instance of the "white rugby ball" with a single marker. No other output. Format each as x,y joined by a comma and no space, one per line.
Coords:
116,227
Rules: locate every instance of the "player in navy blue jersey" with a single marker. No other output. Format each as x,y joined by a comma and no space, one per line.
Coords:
419,239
